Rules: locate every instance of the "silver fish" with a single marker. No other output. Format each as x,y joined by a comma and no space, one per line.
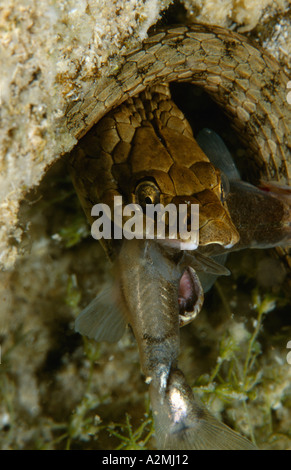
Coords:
154,310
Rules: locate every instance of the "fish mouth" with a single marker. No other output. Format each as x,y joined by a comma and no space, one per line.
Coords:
191,296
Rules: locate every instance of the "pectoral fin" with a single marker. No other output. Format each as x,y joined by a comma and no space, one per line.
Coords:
202,263
101,320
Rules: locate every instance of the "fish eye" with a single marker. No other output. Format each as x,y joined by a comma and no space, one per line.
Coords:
224,187
147,192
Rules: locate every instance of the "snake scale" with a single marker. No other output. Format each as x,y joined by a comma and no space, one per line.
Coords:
245,81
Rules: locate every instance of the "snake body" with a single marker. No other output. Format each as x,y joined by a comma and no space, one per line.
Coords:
248,84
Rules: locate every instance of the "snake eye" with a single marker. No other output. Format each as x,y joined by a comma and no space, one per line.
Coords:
147,192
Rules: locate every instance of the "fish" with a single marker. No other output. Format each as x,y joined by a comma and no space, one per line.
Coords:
261,215
154,310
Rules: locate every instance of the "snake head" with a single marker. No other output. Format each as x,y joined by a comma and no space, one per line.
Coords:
200,186
145,152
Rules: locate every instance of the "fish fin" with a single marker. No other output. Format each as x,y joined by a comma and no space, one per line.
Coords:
206,264
101,320
218,153
208,434
207,280
183,423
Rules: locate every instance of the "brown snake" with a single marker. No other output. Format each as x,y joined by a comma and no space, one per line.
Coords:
123,149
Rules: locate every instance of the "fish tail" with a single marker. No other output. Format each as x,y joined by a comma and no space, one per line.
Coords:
183,423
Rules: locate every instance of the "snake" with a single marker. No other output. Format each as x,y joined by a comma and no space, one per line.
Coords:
144,135
140,146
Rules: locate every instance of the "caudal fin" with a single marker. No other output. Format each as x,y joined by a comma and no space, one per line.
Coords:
182,423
